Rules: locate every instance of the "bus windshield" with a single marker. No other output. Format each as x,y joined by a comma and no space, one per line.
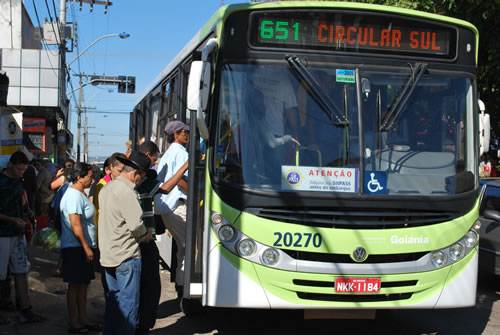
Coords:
322,131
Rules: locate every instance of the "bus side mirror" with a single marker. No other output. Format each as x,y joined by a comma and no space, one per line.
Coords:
195,95
484,129
193,92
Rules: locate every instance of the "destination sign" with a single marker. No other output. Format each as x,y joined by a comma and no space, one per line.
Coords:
347,32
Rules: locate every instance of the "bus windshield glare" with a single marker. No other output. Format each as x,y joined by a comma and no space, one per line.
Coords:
401,136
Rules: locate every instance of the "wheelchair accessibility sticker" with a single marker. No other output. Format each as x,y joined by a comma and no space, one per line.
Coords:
376,182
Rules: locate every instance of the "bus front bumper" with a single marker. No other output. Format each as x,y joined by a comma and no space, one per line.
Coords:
235,282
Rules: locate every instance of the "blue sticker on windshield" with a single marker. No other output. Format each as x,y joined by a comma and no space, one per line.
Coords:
376,182
345,76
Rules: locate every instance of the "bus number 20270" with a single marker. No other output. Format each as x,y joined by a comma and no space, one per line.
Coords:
299,240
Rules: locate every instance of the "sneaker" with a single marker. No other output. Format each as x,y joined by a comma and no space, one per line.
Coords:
28,316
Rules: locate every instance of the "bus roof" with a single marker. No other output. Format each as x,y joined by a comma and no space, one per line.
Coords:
215,23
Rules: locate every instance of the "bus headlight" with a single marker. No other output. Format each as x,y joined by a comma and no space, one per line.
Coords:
438,258
247,247
226,233
457,251
470,239
270,256
476,225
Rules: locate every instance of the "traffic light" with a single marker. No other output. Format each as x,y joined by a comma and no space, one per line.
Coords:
131,85
122,85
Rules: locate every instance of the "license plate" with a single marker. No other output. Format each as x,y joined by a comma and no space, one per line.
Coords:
357,285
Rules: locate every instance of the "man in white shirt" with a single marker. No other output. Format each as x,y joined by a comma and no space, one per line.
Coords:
172,206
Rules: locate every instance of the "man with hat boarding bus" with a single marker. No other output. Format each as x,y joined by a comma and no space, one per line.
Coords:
172,206
121,229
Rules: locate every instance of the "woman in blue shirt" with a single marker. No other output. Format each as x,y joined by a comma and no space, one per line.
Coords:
77,241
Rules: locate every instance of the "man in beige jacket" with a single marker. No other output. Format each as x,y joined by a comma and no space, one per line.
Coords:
120,230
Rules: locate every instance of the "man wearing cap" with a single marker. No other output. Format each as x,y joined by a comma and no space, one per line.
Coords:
172,206
121,229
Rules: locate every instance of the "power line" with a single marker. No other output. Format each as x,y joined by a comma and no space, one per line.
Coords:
56,35
112,113
55,12
36,13
45,46
131,55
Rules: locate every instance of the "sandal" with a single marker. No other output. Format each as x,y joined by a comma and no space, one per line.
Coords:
28,316
78,330
94,328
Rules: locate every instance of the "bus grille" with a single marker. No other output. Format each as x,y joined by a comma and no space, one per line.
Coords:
354,218
343,258
353,297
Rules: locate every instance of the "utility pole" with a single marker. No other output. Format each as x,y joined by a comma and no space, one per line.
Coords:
126,84
85,139
79,125
62,20
106,3
86,135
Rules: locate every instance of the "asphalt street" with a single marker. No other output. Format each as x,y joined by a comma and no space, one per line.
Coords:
47,294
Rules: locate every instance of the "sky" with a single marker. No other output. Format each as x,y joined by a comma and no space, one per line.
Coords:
158,30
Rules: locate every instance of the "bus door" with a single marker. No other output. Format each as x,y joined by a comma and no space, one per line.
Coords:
195,214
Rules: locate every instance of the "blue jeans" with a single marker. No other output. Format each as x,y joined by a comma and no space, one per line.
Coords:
122,299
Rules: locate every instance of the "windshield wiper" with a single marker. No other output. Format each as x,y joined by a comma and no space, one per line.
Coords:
323,100
402,97
377,116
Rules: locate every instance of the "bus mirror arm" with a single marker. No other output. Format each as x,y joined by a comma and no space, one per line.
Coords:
202,125
208,49
205,86
206,72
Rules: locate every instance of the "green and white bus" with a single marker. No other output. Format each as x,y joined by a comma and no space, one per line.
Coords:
333,156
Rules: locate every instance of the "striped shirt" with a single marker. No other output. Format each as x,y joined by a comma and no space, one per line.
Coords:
147,190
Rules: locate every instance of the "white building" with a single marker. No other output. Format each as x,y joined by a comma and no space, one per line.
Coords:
37,87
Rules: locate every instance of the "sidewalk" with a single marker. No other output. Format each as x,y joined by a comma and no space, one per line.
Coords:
48,297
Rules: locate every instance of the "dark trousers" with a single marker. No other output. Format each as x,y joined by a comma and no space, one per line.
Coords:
150,286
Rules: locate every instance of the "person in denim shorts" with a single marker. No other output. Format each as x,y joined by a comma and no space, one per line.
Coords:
13,248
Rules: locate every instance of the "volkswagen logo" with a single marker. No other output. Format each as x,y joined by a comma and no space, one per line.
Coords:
359,254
